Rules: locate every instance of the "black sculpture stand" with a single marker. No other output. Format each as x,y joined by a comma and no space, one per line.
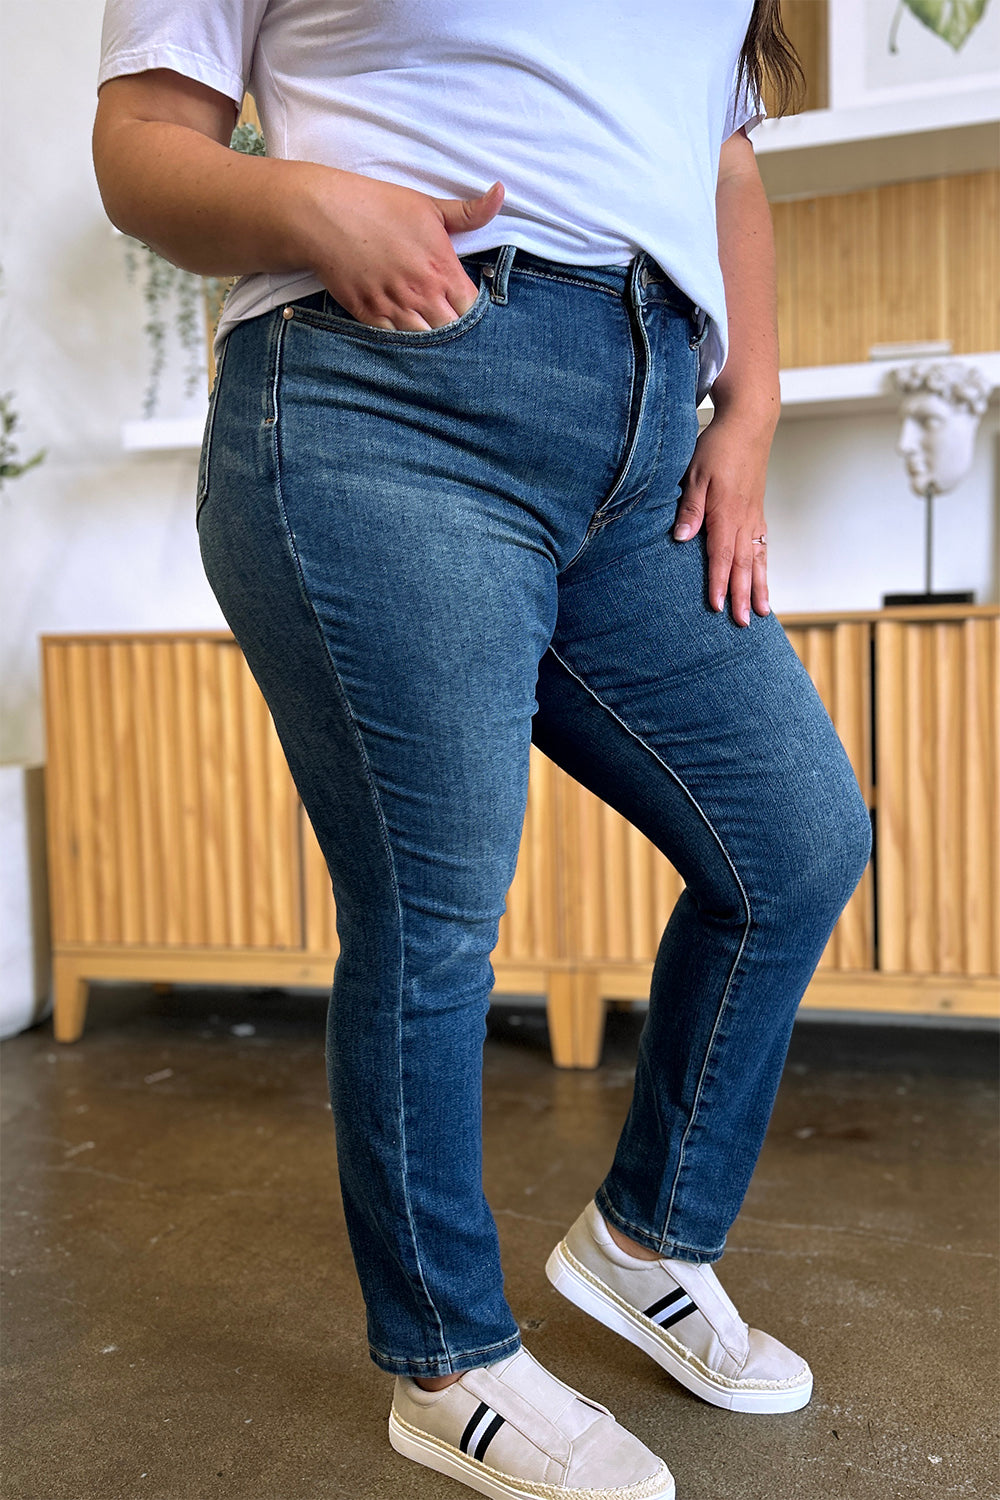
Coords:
963,596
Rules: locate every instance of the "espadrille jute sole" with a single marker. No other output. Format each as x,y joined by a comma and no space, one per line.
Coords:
582,1288
425,1449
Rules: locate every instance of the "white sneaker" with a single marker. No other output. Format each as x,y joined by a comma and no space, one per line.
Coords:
515,1432
678,1313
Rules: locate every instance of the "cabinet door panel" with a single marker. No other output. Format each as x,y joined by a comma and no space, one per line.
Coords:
173,819
838,659
533,927
937,744
620,889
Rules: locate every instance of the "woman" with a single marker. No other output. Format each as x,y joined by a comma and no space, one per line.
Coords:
452,500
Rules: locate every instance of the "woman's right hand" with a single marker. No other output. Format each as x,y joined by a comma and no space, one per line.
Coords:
167,176
385,252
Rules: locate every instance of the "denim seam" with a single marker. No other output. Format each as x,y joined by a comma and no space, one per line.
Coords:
699,336
664,1246
724,1001
419,338
624,510
206,463
274,352
431,1366
293,550
596,521
592,286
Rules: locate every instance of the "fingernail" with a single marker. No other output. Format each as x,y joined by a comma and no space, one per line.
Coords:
682,532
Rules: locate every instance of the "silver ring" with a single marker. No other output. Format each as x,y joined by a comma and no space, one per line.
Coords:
761,539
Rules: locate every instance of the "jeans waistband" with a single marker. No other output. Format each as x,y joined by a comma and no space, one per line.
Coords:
642,275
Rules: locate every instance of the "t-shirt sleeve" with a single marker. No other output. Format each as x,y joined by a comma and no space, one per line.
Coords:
745,108
211,41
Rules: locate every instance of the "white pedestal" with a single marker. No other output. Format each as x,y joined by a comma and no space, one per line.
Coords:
25,948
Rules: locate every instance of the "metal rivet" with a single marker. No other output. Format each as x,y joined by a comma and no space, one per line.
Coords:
288,312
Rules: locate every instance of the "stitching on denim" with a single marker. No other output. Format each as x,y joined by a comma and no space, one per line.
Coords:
420,338
290,540
697,339
663,1246
629,455
431,1366
595,286
616,515
274,353
724,1001
498,275
201,493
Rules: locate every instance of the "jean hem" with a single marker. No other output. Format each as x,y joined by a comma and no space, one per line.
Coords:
472,1359
671,1249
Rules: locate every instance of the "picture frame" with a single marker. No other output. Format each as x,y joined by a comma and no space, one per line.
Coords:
881,51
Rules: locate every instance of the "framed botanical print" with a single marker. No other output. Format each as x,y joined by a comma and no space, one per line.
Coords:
884,50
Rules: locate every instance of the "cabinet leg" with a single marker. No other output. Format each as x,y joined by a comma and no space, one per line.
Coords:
69,1000
576,1018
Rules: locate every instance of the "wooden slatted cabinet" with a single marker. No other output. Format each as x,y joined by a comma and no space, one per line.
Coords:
179,851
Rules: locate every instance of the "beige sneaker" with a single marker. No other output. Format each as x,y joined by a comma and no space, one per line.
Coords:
678,1313
515,1432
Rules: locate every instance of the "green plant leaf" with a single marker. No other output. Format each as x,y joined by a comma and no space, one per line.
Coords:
952,20
248,139
10,466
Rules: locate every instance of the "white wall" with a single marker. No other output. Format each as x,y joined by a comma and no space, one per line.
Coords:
98,540
844,527
92,539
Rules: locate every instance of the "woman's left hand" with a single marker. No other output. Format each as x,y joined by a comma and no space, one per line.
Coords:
724,486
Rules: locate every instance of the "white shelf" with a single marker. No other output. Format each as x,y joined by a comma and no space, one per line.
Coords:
862,389
854,390
844,150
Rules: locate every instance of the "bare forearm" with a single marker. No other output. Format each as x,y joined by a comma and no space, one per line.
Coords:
208,209
167,176
749,381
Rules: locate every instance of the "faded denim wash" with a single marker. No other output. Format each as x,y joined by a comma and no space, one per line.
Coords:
434,548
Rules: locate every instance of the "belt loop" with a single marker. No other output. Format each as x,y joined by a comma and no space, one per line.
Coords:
638,278
501,272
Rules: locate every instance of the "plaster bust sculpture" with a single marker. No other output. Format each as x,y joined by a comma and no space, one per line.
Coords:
941,408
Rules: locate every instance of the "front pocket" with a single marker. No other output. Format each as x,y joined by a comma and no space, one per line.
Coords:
333,318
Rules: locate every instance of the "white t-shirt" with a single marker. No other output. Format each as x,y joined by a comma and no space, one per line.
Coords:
603,118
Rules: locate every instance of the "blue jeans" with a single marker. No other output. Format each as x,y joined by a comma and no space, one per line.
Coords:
434,548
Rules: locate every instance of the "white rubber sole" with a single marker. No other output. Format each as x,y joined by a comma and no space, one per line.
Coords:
433,1454
584,1291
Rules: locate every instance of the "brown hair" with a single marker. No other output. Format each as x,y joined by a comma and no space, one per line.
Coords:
768,55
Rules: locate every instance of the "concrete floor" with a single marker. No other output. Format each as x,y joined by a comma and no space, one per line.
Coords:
182,1321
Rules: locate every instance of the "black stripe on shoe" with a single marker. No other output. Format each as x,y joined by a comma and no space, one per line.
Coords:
474,1421
675,1317
657,1307
488,1436
670,1309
